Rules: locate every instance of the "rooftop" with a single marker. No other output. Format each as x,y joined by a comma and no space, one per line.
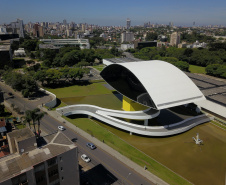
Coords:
22,134
4,47
14,164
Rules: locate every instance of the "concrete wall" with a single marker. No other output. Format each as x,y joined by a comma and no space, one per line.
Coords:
52,103
105,62
68,167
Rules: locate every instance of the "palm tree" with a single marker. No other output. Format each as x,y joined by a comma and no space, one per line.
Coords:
27,117
39,117
34,116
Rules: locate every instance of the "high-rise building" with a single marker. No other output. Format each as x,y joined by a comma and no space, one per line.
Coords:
64,22
128,23
41,30
170,24
68,33
175,39
53,163
18,27
83,27
127,37
36,30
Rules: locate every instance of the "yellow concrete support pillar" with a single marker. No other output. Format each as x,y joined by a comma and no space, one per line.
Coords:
130,105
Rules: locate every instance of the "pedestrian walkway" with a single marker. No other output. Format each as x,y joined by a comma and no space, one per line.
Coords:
108,149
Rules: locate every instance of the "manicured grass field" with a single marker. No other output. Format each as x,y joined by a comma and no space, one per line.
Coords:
77,90
219,124
182,155
200,164
197,69
127,150
105,100
99,67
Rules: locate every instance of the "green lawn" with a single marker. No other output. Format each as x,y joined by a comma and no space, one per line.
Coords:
99,67
127,150
219,124
197,69
178,152
105,100
79,90
20,126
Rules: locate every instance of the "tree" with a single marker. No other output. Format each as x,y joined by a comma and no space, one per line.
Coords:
53,75
27,118
30,86
114,51
151,36
48,54
71,58
39,117
15,45
34,116
2,109
73,73
29,45
88,55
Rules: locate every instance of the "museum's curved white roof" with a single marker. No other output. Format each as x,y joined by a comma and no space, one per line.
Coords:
167,85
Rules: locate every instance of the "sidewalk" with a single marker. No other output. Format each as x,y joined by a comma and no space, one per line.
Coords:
107,149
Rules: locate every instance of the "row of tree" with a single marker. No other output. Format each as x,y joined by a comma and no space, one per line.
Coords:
200,57
216,70
21,82
34,117
214,58
53,75
71,56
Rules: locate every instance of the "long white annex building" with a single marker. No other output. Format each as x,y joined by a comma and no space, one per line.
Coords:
154,84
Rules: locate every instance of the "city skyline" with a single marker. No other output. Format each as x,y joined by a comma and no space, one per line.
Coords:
115,13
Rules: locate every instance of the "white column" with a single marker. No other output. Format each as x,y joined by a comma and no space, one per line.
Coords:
146,122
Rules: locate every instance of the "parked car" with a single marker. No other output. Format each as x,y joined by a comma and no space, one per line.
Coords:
85,158
74,139
91,146
61,128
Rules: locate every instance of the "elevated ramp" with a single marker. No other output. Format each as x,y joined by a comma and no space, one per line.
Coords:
110,117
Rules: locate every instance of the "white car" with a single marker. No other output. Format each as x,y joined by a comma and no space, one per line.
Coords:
61,128
85,158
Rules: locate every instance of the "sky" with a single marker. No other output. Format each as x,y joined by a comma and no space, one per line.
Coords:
115,12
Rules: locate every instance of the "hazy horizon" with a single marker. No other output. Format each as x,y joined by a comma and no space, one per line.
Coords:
115,13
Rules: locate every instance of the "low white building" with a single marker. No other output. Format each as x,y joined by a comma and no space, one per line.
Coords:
127,46
20,52
82,43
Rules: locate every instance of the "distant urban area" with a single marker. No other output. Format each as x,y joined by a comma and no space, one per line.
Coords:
86,104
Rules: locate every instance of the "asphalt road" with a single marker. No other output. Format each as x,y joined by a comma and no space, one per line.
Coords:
111,170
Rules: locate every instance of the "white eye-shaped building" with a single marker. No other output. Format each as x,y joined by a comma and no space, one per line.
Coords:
147,87
155,83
